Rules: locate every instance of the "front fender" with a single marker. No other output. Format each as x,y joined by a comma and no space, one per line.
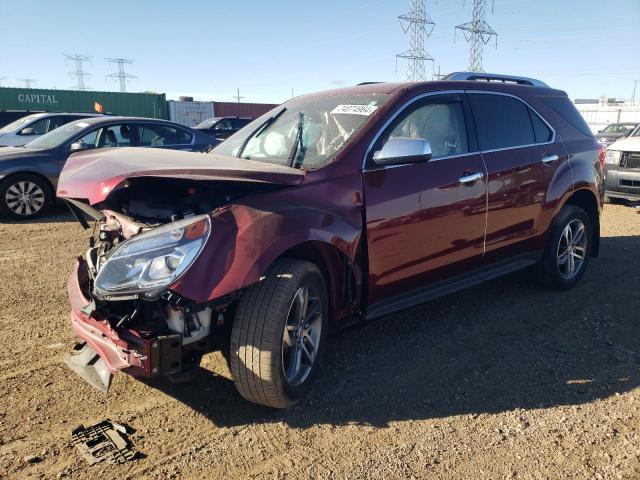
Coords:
245,240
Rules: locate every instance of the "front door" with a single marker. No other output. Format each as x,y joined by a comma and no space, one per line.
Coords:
425,221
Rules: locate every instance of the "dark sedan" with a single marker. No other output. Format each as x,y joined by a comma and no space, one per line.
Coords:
29,174
614,132
222,127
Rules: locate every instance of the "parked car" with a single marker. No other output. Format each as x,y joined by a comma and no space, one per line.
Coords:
614,132
622,162
29,174
30,127
222,127
333,208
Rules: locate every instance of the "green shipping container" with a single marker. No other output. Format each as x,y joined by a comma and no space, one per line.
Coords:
152,105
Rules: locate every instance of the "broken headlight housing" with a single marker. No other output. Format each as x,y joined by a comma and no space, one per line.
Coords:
148,263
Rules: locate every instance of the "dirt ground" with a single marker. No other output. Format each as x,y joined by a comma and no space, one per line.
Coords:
504,380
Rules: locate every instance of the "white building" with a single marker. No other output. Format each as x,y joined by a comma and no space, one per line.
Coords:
603,111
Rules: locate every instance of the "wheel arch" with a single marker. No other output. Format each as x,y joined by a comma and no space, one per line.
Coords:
587,200
336,268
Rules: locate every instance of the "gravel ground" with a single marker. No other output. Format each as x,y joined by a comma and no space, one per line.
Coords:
504,380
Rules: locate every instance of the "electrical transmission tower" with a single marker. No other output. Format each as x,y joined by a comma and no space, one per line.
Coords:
121,75
477,33
419,26
28,82
78,73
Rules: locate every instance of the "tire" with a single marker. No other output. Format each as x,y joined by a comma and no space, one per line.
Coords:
38,200
552,272
261,355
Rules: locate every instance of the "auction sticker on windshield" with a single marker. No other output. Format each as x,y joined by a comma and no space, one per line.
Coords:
354,109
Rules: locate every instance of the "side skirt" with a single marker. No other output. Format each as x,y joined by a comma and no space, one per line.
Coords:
450,285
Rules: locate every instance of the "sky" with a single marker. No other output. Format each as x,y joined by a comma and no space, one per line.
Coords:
271,49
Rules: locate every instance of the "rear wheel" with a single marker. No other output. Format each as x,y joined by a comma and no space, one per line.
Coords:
24,196
568,250
277,335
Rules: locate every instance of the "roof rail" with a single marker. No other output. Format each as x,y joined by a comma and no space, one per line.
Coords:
495,77
367,83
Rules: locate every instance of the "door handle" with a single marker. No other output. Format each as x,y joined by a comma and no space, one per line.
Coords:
472,177
547,159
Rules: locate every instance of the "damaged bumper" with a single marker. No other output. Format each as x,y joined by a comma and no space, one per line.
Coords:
105,351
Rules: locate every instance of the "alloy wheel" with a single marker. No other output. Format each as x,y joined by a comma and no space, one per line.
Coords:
572,249
301,337
24,198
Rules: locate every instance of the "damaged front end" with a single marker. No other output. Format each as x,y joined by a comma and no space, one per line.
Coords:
122,305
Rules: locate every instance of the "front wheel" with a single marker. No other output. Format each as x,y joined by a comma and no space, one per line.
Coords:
278,333
568,249
24,196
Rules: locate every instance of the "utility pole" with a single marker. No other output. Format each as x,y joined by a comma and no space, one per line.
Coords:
237,95
28,82
477,33
438,76
419,26
79,74
122,76
633,97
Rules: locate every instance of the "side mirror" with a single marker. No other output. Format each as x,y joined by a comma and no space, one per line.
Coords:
78,146
27,131
403,150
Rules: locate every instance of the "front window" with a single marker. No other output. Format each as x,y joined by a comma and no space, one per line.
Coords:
57,137
304,132
623,129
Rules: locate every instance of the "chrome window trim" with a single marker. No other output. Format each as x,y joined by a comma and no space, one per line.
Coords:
412,100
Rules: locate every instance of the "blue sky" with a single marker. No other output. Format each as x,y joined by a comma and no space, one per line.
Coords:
209,48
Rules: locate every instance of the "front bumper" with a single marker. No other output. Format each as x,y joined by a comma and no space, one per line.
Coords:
622,183
137,353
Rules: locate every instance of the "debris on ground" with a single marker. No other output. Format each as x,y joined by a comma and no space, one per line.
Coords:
104,441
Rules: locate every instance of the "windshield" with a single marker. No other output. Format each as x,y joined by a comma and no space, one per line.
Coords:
15,125
57,137
303,132
617,128
636,132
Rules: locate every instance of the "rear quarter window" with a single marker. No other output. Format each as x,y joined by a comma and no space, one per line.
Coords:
563,107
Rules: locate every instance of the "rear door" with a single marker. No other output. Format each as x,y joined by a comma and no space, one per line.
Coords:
519,149
424,222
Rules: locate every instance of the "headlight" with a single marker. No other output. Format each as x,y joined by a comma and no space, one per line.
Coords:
151,261
612,157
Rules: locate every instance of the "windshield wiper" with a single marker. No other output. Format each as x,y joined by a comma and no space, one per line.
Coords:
297,145
259,130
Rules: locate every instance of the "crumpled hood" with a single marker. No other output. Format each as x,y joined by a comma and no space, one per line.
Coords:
93,175
629,144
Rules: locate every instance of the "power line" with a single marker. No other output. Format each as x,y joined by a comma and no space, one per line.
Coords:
477,33
78,73
122,76
419,26
28,82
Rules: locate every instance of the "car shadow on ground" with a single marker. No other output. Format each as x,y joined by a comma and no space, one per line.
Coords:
56,214
499,346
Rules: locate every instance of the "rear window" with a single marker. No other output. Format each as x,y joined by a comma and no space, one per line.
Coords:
501,121
563,107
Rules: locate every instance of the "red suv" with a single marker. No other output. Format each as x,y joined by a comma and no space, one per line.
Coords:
333,208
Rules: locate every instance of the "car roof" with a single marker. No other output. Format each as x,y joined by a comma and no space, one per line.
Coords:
381,88
117,118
